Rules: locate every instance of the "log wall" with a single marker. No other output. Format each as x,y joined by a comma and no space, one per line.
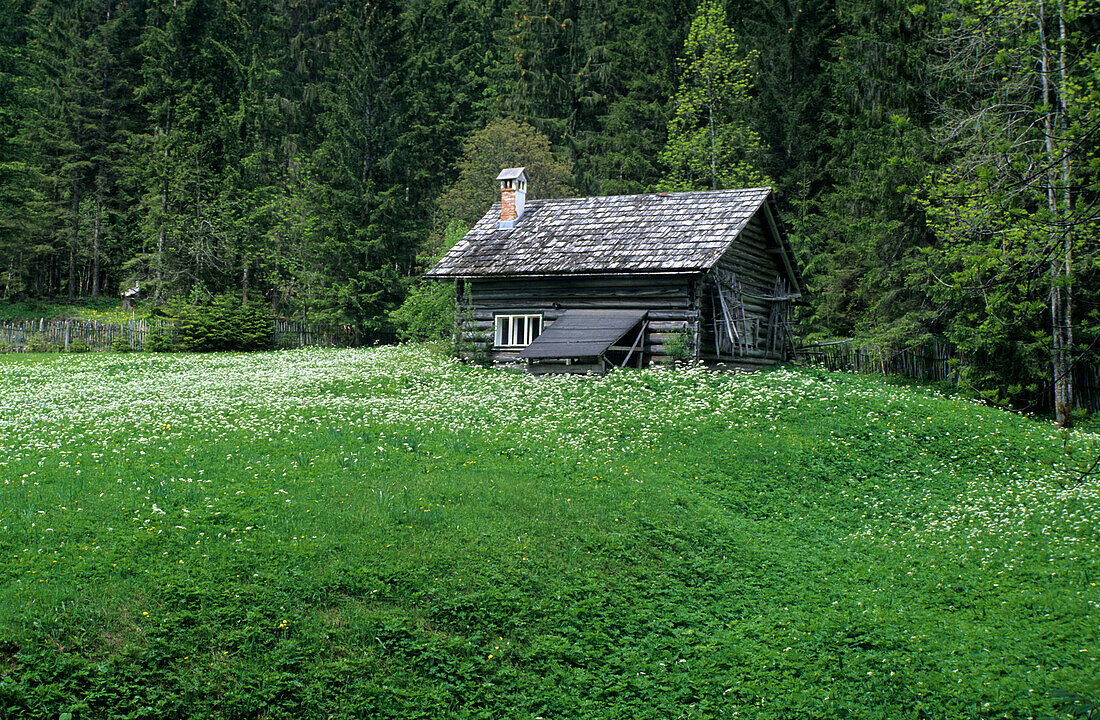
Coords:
752,259
680,306
670,299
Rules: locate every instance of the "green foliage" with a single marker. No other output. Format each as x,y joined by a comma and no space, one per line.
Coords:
102,309
312,159
427,313
710,143
859,227
159,339
678,346
380,532
627,91
865,239
30,310
121,344
1007,201
36,343
502,143
223,324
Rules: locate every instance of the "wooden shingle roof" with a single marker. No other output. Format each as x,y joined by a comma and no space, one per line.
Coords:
662,232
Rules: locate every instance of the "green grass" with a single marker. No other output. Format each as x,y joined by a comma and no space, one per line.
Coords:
386,533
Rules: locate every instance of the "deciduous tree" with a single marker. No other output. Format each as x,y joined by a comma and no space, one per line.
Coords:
711,143
502,143
1012,202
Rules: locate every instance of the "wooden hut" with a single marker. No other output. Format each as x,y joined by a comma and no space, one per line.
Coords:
581,284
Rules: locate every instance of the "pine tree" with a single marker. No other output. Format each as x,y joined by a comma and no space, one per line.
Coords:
21,197
619,151
190,88
793,40
859,223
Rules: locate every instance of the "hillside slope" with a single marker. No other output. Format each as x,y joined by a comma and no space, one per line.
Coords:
388,533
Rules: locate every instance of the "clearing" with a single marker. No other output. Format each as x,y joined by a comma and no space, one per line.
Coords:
387,533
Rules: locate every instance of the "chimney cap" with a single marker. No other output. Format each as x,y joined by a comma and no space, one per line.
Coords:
512,173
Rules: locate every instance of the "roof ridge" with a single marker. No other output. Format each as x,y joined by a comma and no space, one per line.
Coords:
655,193
655,232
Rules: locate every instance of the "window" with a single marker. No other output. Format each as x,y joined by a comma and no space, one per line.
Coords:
517,330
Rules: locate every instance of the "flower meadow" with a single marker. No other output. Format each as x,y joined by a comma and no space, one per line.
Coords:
389,533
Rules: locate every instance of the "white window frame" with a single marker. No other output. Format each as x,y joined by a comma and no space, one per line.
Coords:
510,334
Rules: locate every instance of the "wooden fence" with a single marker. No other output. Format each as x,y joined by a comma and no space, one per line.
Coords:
931,361
291,333
73,335
940,362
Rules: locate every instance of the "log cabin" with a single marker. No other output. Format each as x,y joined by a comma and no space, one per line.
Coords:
583,284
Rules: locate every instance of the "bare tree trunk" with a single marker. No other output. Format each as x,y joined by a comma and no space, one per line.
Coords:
714,169
72,271
1067,225
1060,247
96,228
158,293
74,238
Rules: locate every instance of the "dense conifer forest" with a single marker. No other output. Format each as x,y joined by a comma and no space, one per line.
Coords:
936,162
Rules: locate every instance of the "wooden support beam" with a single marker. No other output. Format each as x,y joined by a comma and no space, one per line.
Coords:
635,345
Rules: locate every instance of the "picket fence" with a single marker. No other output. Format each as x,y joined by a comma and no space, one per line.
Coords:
933,361
71,335
940,362
291,334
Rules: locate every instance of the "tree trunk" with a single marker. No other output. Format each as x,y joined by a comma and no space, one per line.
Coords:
713,152
72,272
158,293
74,238
1061,259
96,228
1067,229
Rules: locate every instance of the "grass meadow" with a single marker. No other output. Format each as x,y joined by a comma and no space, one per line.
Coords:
387,533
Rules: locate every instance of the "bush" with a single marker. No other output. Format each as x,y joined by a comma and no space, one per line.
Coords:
678,347
427,313
158,341
37,344
225,324
79,346
122,344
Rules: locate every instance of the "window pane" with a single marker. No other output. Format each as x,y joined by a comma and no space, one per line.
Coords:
520,331
536,328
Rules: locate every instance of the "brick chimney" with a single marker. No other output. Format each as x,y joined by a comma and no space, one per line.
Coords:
513,195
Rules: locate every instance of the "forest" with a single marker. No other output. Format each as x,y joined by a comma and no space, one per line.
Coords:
936,162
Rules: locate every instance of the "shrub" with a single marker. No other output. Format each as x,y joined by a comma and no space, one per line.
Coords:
225,324
79,346
678,347
158,340
37,344
427,313
122,344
